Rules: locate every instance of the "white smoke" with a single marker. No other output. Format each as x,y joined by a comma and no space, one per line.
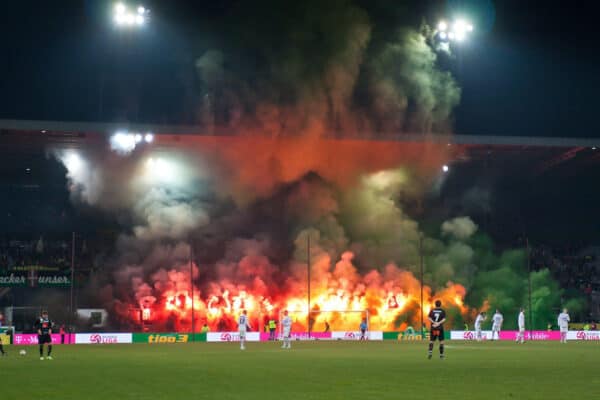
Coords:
85,181
160,194
459,228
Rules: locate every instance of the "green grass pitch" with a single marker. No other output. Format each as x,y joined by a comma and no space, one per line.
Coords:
310,370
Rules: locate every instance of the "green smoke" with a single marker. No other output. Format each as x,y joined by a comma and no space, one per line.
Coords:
369,220
295,67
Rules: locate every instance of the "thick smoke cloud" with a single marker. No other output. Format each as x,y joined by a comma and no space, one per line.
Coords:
460,228
250,203
316,67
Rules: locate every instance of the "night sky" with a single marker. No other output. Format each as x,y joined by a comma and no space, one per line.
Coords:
529,70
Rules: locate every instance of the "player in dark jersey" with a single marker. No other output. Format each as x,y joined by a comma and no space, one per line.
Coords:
44,330
437,317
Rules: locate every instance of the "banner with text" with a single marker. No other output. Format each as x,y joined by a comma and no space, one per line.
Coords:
26,339
33,279
103,338
265,336
355,335
409,335
583,335
155,338
231,336
529,335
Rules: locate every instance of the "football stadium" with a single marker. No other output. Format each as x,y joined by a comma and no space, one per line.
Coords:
283,200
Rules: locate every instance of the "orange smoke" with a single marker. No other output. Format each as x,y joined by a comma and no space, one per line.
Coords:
248,167
340,299
252,166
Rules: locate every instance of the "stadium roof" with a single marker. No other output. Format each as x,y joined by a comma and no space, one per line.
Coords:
65,131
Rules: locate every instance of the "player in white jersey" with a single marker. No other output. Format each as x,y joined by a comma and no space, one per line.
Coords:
286,325
563,324
497,319
521,323
480,318
243,324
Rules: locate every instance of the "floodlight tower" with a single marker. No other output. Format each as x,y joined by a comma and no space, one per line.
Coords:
125,18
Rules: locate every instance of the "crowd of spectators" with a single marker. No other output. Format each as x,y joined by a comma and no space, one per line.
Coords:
53,254
575,268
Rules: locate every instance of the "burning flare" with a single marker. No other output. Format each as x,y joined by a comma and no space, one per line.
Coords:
340,299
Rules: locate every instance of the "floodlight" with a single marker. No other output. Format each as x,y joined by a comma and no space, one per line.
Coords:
124,16
130,19
460,26
123,142
456,31
120,8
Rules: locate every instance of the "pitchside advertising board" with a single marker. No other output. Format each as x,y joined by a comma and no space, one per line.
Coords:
26,339
231,336
4,338
103,338
529,335
355,335
265,336
156,338
162,338
583,335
